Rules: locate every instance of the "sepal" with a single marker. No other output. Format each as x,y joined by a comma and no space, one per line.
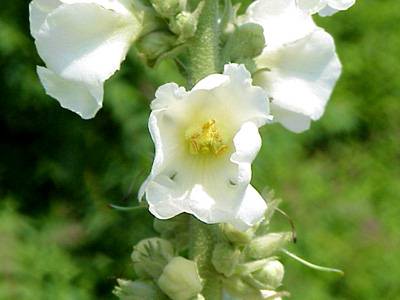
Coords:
264,246
138,290
184,25
167,8
236,236
225,258
270,276
150,256
155,44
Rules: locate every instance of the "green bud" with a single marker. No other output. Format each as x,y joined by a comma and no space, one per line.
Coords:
236,236
180,279
238,288
271,275
266,245
184,25
246,41
150,256
225,258
167,8
155,44
138,290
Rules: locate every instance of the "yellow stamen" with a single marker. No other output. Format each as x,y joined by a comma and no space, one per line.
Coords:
206,140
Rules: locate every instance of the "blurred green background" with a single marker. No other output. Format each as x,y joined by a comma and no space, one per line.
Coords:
340,181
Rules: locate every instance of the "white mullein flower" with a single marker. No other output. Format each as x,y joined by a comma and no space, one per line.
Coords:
205,141
325,7
299,63
83,43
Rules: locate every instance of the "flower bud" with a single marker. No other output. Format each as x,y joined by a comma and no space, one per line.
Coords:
150,256
266,245
271,275
137,290
225,258
166,8
155,44
247,41
184,25
238,288
180,279
236,236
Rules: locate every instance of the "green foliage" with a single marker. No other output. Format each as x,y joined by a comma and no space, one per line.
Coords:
339,181
33,266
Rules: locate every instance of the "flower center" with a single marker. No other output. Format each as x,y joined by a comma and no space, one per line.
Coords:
205,140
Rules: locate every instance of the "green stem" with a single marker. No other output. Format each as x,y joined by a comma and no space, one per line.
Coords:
203,238
204,49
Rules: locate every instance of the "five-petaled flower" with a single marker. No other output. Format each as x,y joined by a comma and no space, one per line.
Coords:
299,65
206,140
83,43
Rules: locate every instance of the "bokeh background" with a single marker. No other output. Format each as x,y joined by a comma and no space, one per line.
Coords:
340,181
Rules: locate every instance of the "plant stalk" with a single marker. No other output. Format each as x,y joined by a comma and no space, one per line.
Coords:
203,239
204,49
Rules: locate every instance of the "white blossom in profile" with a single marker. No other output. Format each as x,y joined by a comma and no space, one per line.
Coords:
325,7
205,141
299,65
82,43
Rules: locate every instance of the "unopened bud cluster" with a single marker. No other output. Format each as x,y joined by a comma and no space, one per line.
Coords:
171,25
161,274
174,23
245,263
248,259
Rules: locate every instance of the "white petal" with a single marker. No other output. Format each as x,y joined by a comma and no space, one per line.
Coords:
165,134
327,11
291,120
166,95
341,4
241,98
302,76
311,6
251,211
38,11
324,7
85,42
213,199
76,96
120,6
282,20
247,143
211,82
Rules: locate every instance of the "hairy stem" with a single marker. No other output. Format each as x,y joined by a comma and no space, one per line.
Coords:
204,48
202,243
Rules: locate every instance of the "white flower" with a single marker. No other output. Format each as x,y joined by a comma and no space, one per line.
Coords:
299,65
205,141
325,7
83,43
